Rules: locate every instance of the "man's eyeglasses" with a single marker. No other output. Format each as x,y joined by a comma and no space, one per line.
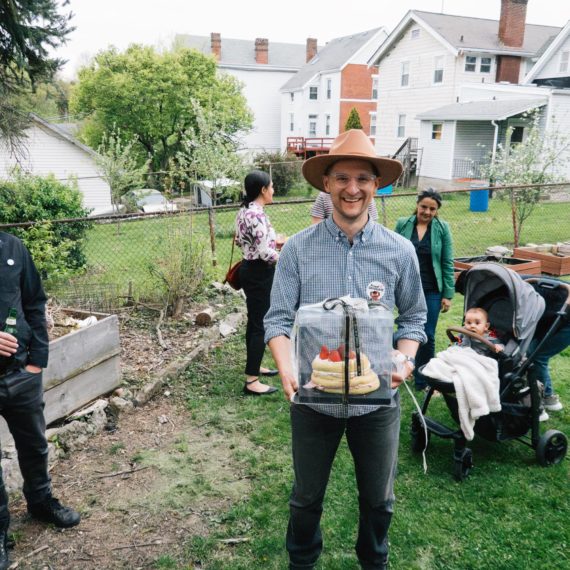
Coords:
363,181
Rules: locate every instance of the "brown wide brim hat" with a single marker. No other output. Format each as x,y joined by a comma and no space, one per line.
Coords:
351,145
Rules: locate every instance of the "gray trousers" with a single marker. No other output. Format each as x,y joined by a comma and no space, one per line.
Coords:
373,442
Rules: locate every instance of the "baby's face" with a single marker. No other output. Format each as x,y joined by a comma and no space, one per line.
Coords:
476,322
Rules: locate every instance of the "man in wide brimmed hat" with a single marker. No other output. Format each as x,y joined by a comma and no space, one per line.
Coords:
346,254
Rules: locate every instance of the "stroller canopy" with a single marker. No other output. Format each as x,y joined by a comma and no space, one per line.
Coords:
516,304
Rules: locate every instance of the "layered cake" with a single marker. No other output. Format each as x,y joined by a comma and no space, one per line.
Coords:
328,373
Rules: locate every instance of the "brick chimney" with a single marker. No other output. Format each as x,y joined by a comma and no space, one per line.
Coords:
511,34
311,48
262,50
216,45
512,22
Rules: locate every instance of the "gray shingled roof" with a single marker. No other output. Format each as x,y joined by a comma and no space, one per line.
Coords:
491,110
330,58
242,52
483,34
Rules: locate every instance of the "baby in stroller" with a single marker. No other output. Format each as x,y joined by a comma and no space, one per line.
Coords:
513,307
476,320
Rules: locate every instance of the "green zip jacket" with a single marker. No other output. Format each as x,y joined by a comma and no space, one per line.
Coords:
441,251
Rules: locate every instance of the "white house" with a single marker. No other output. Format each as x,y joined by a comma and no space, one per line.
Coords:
48,149
262,67
317,100
553,66
458,138
429,57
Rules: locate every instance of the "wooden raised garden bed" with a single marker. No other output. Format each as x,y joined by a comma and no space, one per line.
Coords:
83,365
552,263
513,263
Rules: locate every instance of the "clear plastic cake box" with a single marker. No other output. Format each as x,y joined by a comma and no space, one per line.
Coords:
320,353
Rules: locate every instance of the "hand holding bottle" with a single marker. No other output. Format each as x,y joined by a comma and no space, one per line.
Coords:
8,344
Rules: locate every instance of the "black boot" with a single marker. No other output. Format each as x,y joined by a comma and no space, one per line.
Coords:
50,510
4,560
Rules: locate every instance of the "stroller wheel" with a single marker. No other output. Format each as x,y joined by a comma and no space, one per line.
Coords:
463,464
551,448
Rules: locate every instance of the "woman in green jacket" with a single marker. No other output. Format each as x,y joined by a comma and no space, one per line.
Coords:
431,238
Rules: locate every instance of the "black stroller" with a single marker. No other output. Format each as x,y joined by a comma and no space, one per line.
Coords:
515,306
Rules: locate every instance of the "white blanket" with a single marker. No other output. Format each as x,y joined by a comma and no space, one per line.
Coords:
476,381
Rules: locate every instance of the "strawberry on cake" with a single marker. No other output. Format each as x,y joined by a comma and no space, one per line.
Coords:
328,373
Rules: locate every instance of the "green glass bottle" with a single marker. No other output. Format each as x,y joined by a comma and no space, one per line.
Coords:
11,326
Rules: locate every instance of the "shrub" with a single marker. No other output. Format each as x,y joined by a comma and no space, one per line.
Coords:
285,170
353,121
57,249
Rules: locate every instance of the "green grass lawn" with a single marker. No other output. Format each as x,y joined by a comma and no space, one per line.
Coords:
509,514
119,255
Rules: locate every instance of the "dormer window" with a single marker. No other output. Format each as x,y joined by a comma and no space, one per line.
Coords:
415,33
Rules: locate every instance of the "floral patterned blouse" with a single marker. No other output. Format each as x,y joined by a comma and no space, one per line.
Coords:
255,234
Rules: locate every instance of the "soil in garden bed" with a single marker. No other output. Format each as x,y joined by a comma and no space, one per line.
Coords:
148,486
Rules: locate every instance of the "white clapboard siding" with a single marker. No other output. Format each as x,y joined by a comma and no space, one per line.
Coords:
45,152
261,89
552,66
474,140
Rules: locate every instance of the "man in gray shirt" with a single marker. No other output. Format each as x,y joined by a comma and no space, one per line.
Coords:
346,254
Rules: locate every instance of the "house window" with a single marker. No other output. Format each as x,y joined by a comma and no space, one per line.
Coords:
329,88
327,125
564,56
470,63
405,74
401,126
291,122
517,136
313,92
485,65
374,87
292,96
438,71
415,33
436,131
372,124
313,125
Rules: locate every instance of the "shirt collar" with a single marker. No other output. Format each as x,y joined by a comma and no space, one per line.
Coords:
363,235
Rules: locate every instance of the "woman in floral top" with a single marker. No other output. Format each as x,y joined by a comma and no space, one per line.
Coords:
257,239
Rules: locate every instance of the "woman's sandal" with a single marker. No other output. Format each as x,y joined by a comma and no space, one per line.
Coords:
249,392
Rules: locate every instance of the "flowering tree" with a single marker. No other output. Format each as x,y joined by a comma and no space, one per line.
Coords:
119,165
534,161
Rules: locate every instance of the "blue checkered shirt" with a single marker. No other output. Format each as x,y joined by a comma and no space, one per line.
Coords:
319,263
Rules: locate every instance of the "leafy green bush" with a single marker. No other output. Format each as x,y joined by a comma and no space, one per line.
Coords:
57,249
285,170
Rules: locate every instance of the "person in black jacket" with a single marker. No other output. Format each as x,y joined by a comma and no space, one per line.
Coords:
22,358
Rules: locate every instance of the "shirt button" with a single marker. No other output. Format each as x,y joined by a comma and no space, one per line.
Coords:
350,253
349,277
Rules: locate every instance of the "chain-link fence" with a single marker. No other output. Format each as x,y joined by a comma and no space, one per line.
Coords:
128,255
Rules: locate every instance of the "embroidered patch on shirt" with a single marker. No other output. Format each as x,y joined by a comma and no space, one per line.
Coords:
375,290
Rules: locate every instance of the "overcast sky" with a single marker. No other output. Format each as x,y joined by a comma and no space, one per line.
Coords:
100,23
